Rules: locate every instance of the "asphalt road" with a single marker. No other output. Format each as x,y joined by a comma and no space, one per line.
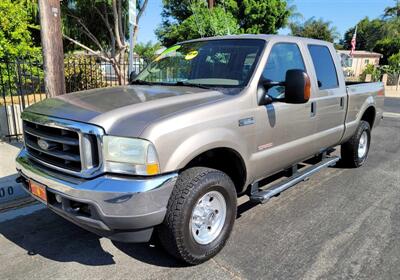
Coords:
341,224
392,105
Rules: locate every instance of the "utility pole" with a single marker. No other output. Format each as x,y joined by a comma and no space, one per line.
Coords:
132,24
52,46
211,4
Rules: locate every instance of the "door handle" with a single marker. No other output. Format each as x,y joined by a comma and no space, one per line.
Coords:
313,109
341,102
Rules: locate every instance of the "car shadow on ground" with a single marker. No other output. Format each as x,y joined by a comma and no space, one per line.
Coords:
50,236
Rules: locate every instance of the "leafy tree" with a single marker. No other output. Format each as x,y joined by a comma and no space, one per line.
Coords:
375,73
201,23
147,51
380,35
392,12
394,62
15,43
15,38
316,29
265,16
188,19
100,27
31,6
369,32
387,47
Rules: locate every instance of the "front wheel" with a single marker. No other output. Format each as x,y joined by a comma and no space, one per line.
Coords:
200,215
355,151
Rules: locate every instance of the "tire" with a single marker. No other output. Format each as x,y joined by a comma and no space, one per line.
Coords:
350,151
177,233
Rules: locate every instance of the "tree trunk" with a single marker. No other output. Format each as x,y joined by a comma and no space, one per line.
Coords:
53,54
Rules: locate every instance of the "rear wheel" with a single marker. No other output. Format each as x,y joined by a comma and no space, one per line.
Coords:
200,215
355,151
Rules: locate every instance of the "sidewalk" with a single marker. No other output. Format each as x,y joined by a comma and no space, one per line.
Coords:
11,193
392,93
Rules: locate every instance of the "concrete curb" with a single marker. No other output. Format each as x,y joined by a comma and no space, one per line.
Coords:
10,190
391,115
17,203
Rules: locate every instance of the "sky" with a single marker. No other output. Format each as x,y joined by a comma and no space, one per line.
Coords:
343,14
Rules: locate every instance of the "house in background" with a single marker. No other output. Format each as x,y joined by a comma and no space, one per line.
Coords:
355,65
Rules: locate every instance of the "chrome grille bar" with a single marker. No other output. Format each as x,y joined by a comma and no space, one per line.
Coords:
60,139
67,146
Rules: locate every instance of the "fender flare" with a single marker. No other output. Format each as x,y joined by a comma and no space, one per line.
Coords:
204,141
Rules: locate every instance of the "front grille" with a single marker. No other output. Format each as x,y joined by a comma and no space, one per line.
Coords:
60,147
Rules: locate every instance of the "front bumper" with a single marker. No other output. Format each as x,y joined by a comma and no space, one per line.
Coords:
122,208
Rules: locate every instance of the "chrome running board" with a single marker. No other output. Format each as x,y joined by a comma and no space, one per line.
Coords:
262,196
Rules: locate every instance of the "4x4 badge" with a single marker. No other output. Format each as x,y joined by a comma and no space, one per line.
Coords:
247,121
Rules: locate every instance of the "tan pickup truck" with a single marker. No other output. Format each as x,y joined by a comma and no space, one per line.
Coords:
207,121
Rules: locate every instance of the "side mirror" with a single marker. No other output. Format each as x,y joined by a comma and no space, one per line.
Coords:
297,87
132,76
265,97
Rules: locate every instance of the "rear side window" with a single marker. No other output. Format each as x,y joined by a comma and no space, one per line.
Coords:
324,67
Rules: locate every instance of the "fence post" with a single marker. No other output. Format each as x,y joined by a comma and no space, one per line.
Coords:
19,88
384,79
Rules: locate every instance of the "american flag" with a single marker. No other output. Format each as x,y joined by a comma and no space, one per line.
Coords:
353,42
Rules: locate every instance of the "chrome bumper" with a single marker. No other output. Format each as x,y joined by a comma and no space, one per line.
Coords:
118,204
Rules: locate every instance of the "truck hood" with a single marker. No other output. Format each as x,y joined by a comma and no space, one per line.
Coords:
126,110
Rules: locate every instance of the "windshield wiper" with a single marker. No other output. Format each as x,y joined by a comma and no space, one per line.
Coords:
186,84
141,82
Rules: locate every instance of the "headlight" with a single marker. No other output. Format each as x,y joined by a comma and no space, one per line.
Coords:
130,156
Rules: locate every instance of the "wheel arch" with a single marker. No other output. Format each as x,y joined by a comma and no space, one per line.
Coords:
369,115
226,160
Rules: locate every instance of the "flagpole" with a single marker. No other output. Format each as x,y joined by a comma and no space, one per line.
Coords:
353,42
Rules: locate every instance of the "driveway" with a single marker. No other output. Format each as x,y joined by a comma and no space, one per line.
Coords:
341,224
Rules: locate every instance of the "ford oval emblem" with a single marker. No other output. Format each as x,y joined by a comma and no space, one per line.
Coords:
43,144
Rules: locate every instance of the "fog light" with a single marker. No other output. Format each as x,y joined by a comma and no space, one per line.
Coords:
58,198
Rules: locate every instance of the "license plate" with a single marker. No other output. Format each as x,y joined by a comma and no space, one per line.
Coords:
38,190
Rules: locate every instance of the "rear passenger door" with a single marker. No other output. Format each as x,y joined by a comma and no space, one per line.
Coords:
330,96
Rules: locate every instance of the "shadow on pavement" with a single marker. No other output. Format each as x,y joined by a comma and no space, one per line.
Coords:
50,236
151,253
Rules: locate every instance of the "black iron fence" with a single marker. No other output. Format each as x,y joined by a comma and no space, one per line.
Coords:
22,83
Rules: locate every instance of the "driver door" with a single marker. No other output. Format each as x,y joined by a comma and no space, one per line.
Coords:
284,131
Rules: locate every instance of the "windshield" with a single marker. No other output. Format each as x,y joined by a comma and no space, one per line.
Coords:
219,63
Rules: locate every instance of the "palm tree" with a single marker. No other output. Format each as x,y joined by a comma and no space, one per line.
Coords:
391,12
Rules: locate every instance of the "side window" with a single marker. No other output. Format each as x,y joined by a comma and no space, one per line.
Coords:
324,67
283,57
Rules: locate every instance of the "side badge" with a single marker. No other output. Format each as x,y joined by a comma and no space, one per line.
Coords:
247,121
265,146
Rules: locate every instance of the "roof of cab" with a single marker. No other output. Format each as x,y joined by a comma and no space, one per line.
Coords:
266,37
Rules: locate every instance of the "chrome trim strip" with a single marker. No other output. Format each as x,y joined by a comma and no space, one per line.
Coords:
114,196
65,156
107,183
64,140
82,129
